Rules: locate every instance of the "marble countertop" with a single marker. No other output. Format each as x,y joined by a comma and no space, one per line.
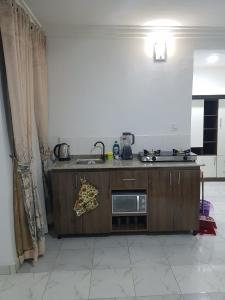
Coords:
117,164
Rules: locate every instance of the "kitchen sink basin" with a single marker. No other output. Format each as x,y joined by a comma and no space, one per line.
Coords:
89,161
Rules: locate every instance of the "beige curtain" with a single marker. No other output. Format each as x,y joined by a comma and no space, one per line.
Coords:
16,33
41,104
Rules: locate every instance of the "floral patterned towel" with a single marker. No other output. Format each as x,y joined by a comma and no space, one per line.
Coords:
87,199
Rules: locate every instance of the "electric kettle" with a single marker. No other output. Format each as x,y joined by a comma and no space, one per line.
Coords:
62,151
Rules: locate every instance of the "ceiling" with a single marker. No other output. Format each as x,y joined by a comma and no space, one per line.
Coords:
128,12
202,58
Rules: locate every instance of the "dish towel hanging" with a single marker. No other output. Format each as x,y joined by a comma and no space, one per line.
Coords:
87,199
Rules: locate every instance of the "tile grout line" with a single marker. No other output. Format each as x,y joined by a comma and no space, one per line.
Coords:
50,273
93,249
171,268
131,266
176,280
45,289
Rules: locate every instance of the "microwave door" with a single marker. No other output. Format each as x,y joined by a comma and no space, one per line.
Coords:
125,204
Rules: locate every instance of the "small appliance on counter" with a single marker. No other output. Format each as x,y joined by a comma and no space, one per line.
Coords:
62,151
127,139
173,155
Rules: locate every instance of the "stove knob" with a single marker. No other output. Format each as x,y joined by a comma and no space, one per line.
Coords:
153,158
185,157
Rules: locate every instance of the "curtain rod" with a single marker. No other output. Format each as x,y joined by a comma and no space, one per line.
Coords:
29,12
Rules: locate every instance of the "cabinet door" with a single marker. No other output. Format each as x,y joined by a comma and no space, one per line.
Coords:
185,199
210,165
160,206
64,191
100,219
221,128
220,166
197,120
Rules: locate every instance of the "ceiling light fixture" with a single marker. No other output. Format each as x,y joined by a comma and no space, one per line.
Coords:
212,59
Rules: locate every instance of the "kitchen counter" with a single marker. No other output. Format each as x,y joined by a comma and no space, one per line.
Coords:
118,164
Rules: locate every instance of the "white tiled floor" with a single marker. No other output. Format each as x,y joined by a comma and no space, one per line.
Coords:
169,267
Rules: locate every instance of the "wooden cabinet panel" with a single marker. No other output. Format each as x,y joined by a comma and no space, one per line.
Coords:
160,206
174,197
185,199
221,128
128,179
64,191
100,219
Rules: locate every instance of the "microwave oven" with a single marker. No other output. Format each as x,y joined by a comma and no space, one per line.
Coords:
126,202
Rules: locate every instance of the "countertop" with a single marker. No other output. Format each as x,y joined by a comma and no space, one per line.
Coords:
118,164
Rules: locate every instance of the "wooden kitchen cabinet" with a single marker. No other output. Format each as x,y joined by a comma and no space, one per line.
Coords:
64,190
129,179
159,202
98,220
173,200
185,199
174,197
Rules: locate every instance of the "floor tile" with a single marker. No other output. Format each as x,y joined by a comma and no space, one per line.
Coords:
211,296
111,258
196,279
110,241
161,297
143,240
74,260
178,239
52,243
45,263
39,267
111,283
66,285
186,255
23,286
157,280
219,272
77,243
147,255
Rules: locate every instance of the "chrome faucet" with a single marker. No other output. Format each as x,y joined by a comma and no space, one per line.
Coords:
103,149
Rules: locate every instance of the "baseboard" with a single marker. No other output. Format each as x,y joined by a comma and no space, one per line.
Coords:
214,178
9,269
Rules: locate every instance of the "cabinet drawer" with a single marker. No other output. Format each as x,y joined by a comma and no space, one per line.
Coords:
129,179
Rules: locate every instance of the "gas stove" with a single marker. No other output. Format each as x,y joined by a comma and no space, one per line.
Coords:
174,156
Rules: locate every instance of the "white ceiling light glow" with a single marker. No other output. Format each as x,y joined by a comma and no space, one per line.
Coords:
163,23
161,35
212,59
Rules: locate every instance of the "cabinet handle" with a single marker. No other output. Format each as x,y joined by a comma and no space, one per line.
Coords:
170,178
220,123
179,178
129,179
138,203
76,182
214,161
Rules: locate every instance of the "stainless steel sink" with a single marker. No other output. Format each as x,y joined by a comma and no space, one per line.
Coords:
89,161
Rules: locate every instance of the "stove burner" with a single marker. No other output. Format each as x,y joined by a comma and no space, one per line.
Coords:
175,152
157,152
173,155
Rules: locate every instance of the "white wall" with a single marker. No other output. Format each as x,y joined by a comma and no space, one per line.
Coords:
102,87
7,246
209,81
